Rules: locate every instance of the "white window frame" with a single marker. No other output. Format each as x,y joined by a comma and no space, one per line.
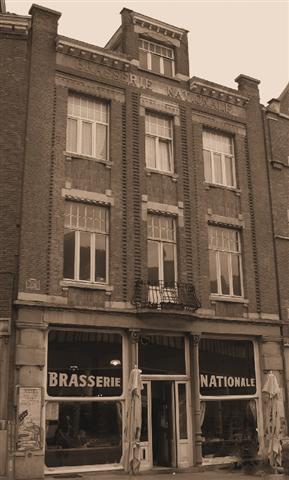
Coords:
152,49
229,253
157,138
160,245
257,396
77,230
79,128
223,155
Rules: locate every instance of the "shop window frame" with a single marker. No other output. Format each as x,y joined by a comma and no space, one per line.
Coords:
72,399
258,394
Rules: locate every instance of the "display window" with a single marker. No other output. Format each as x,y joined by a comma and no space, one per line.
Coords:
84,364
87,433
229,398
84,407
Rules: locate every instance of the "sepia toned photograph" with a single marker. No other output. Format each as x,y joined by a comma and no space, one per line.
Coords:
144,239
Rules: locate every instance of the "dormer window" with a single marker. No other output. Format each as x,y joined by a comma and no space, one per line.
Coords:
157,58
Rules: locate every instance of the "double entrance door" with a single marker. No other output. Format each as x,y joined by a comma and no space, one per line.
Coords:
166,439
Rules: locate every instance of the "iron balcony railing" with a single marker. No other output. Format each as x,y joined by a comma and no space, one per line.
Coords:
161,295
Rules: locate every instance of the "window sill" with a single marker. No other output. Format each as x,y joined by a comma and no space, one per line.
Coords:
173,176
70,156
91,286
208,185
227,298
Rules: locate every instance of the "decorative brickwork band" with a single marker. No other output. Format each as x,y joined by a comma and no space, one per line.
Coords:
253,228
187,197
124,205
136,185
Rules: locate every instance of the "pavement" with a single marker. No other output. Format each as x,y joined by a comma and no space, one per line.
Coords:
216,474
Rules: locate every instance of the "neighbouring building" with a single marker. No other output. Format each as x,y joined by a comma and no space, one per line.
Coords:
143,222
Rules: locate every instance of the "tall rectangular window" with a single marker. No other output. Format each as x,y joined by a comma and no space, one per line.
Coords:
85,243
219,161
159,142
157,58
225,261
161,251
87,127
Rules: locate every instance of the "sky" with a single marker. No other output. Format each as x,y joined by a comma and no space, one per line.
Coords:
226,38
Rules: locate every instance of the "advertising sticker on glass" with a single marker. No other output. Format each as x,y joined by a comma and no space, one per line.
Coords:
227,367
84,364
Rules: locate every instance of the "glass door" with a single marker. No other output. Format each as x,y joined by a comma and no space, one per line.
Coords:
146,428
183,425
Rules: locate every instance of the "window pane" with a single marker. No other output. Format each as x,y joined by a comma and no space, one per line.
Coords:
71,135
218,168
79,364
236,275
144,414
84,256
225,284
169,264
100,258
68,254
86,148
155,63
161,354
229,427
207,166
182,411
150,152
229,171
168,67
153,262
213,272
100,141
164,152
143,61
84,434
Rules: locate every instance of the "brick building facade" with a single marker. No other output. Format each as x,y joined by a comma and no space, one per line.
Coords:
136,230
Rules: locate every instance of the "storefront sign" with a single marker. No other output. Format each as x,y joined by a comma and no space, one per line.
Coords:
215,381
227,367
60,379
29,418
144,83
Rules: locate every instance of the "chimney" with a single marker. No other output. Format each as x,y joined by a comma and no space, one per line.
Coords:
2,6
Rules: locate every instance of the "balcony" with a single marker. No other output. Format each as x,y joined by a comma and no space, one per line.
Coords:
165,296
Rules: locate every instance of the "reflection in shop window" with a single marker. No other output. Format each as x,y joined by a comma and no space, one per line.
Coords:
83,433
229,428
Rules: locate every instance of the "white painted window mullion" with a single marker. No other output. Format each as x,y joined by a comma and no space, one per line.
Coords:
77,254
218,272
92,257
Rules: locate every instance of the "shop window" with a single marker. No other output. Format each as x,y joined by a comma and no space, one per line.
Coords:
159,142
228,420
84,364
225,261
83,411
229,428
162,355
85,243
87,433
157,58
87,127
219,160
161,250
